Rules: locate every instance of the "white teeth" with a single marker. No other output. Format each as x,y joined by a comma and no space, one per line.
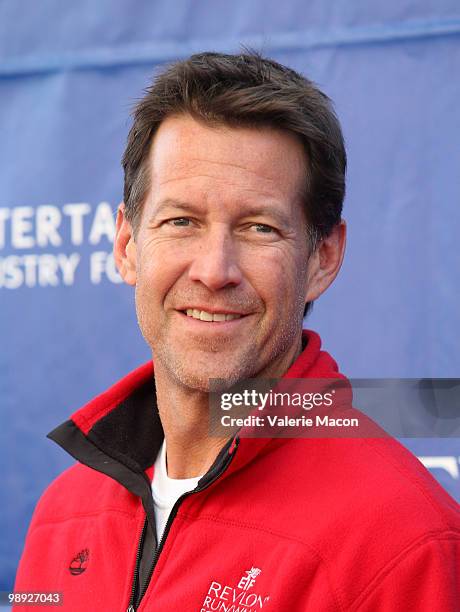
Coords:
203,315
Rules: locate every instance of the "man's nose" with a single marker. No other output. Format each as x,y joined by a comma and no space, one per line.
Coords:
215,260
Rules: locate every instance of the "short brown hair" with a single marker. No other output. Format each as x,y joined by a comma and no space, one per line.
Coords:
243,90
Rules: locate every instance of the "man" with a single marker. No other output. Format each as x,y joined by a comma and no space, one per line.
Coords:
231,225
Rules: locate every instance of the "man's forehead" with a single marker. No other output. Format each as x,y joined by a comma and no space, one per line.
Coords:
263,159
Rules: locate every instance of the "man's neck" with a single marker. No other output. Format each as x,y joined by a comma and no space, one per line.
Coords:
184,414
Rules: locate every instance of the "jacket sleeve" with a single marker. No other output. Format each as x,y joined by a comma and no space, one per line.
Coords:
426,578
29,567
37,569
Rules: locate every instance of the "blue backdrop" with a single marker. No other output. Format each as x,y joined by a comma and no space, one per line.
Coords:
69,74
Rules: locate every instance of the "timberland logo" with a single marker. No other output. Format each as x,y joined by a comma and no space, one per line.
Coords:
230,599
79,563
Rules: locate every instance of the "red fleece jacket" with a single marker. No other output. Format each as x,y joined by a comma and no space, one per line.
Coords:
276,525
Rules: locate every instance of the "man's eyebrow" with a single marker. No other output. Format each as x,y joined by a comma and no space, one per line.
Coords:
263,210
170,204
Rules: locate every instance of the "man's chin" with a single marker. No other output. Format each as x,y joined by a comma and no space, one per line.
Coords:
210,378
205,371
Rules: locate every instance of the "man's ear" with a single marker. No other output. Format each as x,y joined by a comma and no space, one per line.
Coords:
325,262
124,247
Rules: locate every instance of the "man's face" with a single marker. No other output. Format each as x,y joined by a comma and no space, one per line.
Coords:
223,235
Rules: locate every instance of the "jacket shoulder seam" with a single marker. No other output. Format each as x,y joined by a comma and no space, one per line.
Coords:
55,521
414,482
373,585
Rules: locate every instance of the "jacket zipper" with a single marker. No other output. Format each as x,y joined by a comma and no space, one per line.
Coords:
136,566
132,607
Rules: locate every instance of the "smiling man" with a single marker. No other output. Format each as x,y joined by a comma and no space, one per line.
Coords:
230,229
220,261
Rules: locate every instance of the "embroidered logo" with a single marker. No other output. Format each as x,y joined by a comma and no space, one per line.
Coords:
249,579
227,598
79,563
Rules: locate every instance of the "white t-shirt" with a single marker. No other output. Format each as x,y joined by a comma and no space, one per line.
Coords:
167,490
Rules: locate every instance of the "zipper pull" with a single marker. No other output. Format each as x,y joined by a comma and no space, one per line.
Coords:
131,609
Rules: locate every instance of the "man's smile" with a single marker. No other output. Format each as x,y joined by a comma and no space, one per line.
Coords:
218,321
204,315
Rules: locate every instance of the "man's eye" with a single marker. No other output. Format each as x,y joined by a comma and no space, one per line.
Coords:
179,222
263,229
